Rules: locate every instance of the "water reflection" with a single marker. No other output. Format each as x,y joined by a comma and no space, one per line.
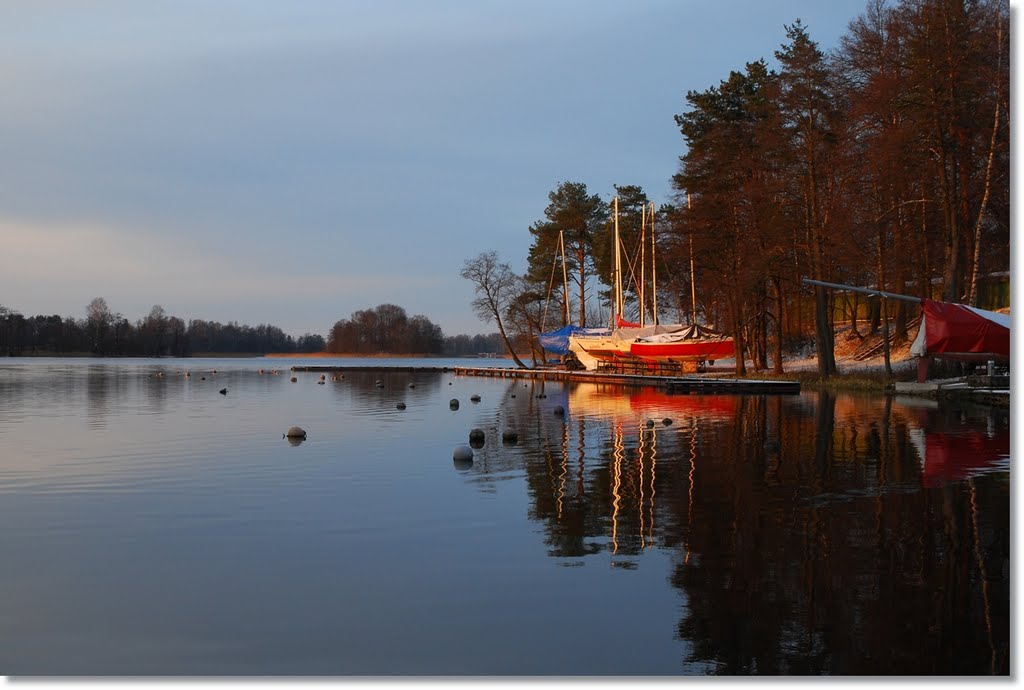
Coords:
813,534
810,534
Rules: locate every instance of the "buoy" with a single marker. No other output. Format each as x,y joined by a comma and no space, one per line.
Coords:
650,423
321,382
474,398
559,411
666,421
223,391
476,438
412,385
400,406
462,453
295,432
509,436
202,378
462,462
294,380
453,403
513,395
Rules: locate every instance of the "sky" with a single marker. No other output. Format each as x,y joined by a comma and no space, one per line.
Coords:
292,162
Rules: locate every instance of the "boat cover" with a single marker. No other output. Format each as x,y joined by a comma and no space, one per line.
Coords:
557,341
956,331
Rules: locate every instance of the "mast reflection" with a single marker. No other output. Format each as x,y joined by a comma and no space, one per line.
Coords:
814,534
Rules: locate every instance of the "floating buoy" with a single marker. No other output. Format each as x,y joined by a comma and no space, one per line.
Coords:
513,395
412,385
400,406
650,423
202,378
666,421
295,432
463,462
294,380
223,391
559,411
476,438
321,382
453,403
474,398
509,436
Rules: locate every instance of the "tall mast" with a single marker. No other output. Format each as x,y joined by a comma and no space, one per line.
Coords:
618,270
693,280
565,281
643,247
654,278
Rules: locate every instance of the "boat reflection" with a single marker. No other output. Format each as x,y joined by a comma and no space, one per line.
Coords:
956,453
803,531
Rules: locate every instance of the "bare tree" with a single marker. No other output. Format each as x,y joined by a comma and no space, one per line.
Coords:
496,287
98,318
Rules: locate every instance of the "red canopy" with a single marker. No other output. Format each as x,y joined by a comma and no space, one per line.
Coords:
956,331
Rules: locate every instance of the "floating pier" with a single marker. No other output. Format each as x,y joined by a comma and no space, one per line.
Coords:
704,385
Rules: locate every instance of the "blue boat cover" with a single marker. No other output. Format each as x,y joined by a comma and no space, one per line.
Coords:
557,341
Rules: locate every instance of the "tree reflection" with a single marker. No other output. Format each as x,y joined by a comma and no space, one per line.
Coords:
806,537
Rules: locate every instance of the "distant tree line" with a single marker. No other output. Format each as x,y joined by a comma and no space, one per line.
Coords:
385,329
884,163
106,333
388,329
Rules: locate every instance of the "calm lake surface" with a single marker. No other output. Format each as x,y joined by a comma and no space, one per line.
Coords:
151,525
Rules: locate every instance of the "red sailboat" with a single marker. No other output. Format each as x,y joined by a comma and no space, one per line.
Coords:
693,344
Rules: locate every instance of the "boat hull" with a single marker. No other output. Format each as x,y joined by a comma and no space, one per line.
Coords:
684,351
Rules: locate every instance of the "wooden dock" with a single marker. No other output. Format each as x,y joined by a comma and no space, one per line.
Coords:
702,385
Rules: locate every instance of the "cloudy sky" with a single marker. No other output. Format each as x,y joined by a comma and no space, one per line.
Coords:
292,162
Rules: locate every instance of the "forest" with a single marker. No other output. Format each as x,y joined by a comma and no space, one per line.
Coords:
109,334
884,163
385,329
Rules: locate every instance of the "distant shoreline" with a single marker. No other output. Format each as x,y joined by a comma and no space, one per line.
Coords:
257,355
381,355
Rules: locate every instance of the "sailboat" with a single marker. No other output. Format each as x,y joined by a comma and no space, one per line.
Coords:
614,345
691,346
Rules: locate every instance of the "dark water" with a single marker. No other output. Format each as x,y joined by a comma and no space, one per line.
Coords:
151,525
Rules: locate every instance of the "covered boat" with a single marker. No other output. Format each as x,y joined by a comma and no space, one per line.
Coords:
692,344
557,341
956,331
615,345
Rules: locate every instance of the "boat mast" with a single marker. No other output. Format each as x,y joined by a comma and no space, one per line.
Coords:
565,282
654,279
693,280
617,308
643,247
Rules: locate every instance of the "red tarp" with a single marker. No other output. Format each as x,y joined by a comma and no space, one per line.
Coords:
956,331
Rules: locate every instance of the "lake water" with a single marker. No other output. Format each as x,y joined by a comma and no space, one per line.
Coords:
151,525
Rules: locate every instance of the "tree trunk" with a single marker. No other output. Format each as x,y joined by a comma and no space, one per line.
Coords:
777,282
972,293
